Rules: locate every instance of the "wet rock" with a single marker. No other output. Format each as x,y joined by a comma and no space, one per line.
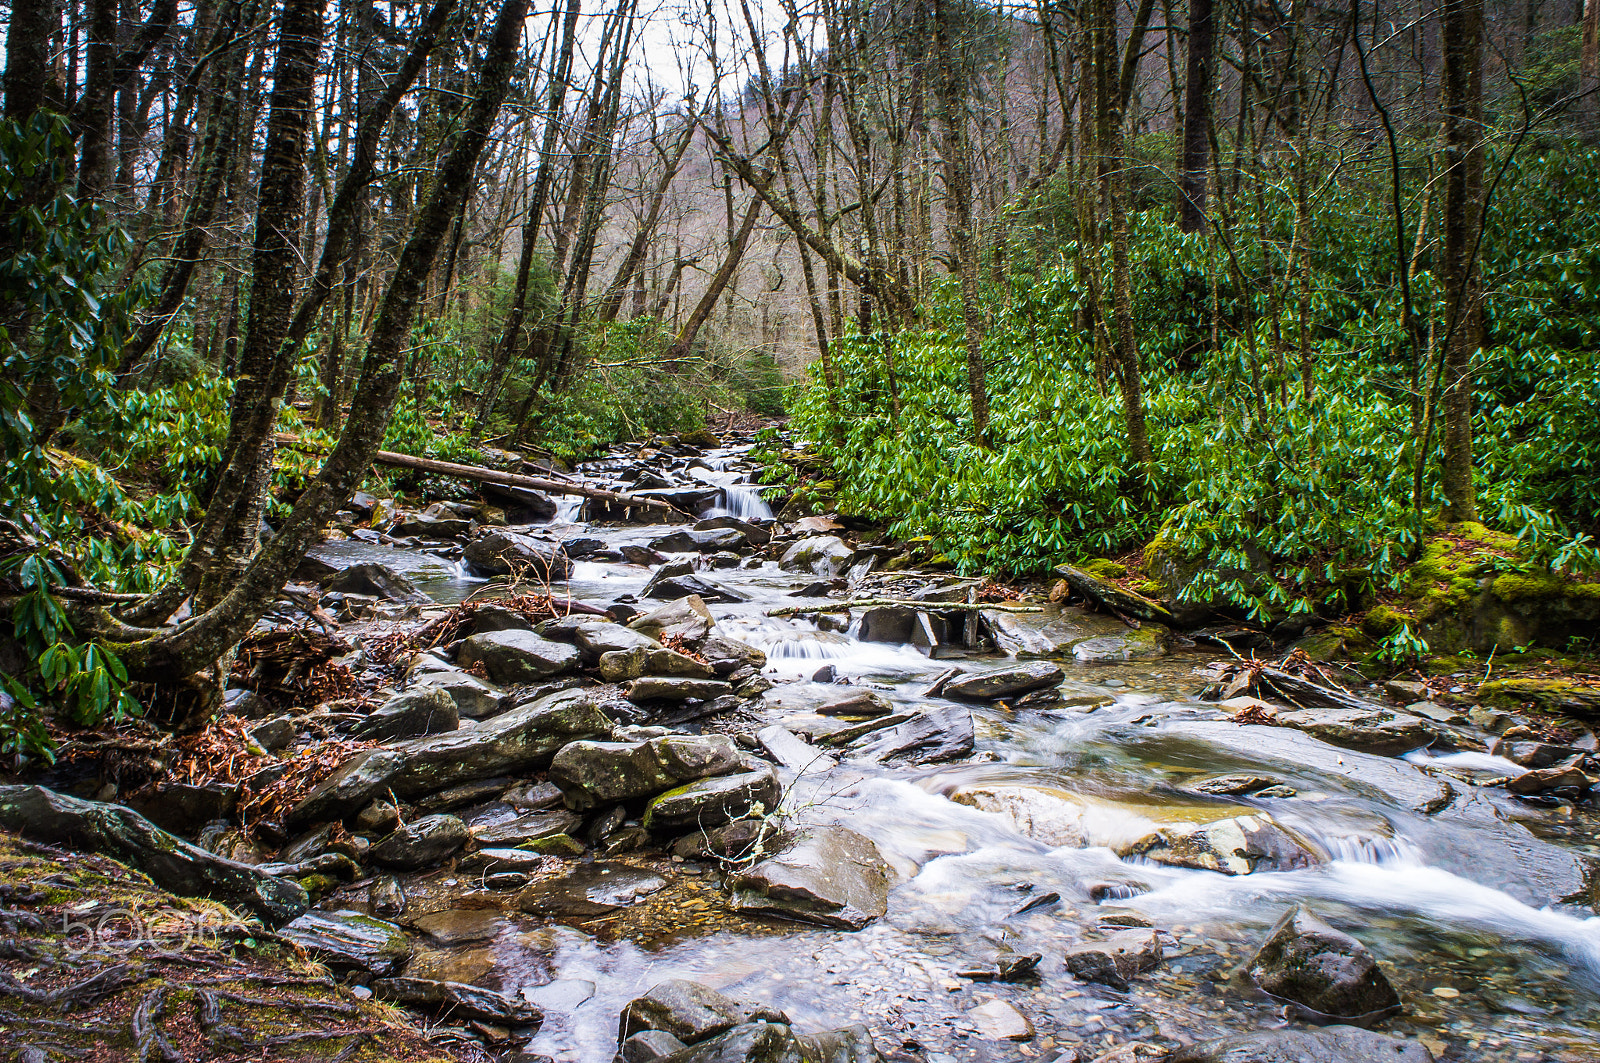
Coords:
690,1012
1116,959
619,666
999,1021
475,698
822,555
184,808
1144,644
646,1046
714,801
457,1000
430,526
487,616
1054,817
829,875
792,751
422,843
754,534
517,656
1236,846
375,579
599,773
641,555
667,688
351,786
1370,730
350,940
687,618
888,623
275,734
590,890
597,638
668,585
416,712
172,863
708,541
863,704
1542,780
509,744
935,733
762,1042
1533,754
1309,963
500,552
1233,785
455,926
1334,1044
386,896
729,841
469,793
727,655
986,686
534,797
528,827
379,817
1051,633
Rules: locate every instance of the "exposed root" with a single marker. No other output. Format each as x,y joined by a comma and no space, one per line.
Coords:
148,1039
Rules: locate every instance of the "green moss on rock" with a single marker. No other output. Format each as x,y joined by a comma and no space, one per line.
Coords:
1105,568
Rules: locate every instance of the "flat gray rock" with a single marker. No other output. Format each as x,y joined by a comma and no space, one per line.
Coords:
1333,1044
828,875
350,940
590,890
1004,682
513,657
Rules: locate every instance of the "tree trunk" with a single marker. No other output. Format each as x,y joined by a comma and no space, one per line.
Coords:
1461,100
1196,120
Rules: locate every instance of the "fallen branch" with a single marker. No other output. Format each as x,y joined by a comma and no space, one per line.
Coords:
932,607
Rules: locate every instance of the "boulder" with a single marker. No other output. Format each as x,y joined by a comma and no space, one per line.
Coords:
687,618
690,1012
501,552
935,733
888,623
647,1046
829,875
822,555
1235,846
1110,596
640,555
1116,959
348,790
509,744
862,704
666,688
172,863
600,773
520,830
1054,817
590,890
1370,730
727,655
422,843
1145,644
430,526
707,541
514,657
765,1042
1051,633
487,616
274,734
184,808
1005,682
453,1000
669,584
425,711
754,534
792,751
349,940
596,638
1334,1044
713,801
375,579
1309,963
475,698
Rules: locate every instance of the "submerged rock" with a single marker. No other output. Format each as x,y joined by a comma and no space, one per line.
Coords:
377,580
829,875
597,773
513,657
1334,1044
689,1012
350,940
590,890
933,734
1054,817
1236,846
1000,1021
986,686
1309,963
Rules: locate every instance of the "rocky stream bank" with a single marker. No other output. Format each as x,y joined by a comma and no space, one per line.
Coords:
564,785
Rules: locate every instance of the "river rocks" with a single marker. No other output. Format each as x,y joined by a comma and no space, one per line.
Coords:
425,711
1145,644
707,541
421,843
598,773
526,737
349,940
1053,817
520,830
430,525
1565,777
669,688
184,808
1334,1044
1236,846
754,534
457,1000
475,698
933,734
821,555
1006,682
647,1046
670,583
689,1012
1533,754
727,655
999,1021
792,751
1113,598
172,863
829,875
1309,963
590,890
687,619
513,657
888,623
1051,633
596,638
377,580
856,704
500,552
1116,959
1371,730
763,1042
714,801
351,786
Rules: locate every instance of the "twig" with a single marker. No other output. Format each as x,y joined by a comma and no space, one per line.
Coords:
932,607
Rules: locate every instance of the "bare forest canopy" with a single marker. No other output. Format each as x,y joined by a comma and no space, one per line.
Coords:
1280,281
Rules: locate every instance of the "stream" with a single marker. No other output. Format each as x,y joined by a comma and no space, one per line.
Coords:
1461,892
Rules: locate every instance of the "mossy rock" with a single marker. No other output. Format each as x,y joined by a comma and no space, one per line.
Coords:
699,438
1321,646
1563,696
1381,621
1105,568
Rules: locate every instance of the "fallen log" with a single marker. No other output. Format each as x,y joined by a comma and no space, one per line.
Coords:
932,607
495,476
1114,599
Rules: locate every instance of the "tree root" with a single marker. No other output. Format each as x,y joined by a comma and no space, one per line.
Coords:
148,1039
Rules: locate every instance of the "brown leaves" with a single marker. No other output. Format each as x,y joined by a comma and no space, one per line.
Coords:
295,665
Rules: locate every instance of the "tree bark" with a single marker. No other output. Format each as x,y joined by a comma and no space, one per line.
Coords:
1196,120
1461,100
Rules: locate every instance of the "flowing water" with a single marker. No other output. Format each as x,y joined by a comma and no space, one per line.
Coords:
1463,906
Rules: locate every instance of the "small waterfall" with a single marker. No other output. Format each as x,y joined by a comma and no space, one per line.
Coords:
569,509
744,502
1370,849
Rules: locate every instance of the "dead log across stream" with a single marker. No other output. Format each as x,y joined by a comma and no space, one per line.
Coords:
504,479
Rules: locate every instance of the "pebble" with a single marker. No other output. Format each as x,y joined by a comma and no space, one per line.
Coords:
1446,992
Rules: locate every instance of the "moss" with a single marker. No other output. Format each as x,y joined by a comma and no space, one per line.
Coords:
1149,588
1539,586
1382,621
1550,694
1105,568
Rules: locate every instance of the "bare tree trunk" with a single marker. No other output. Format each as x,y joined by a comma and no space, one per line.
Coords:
1461,98
1196,120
